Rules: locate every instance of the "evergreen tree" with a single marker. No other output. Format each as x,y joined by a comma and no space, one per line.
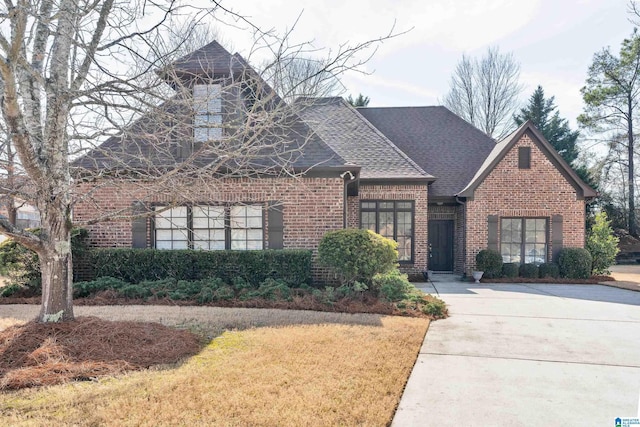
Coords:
544,115
360,101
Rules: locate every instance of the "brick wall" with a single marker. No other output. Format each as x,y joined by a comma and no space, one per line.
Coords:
508,191
311,206
418,193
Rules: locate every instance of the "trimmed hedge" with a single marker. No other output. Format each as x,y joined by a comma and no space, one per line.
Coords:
291,266
575,263
549,270
490,262
510,269
529,271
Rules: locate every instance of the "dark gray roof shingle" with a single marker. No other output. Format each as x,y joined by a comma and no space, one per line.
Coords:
211,59
357,141
441,143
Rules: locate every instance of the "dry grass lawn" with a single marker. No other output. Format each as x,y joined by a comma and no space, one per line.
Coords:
310,369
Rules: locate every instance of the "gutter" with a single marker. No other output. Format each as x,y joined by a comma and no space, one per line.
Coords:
352,178
463,203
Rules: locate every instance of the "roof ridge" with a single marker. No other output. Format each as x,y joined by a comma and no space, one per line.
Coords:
387,140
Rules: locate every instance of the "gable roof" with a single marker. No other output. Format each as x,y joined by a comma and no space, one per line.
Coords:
503,147
350,135
211,59
441,143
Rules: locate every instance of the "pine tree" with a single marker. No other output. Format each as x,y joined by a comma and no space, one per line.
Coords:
544,115
360,101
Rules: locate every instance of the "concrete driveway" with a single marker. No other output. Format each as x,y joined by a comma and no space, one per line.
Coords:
527,355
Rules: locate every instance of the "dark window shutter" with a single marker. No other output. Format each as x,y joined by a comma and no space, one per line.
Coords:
524,157
492,224
276,226
139,226
556,236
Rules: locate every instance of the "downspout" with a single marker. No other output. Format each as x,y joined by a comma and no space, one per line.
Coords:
347,181
463,203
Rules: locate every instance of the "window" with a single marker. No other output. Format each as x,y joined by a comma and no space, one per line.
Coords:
209,227
523,240
392,219
207,104
524,158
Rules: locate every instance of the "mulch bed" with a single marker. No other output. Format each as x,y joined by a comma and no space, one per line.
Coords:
37,354
593,280
367,304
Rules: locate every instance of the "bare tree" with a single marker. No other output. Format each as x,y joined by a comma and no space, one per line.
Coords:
295,77
485,92
75,72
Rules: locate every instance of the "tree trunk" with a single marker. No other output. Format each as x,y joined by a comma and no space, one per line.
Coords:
632,194
57,275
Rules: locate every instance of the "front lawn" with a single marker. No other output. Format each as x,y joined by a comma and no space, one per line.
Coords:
347,373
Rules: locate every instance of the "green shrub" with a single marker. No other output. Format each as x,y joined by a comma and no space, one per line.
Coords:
135,291
490,262
224,293
271,289
575,263
9,290
529,271
357,255
392,286
85,289
549,270
602,244
22,265
510,269
435,308
293,266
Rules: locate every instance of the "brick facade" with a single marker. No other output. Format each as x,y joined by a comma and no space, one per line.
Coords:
415,192
540,191
311,207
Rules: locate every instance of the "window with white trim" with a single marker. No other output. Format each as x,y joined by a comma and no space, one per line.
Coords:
207,104
209,227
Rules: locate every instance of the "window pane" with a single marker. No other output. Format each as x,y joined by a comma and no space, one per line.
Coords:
201,245
386,205
404,224
403,205
200,234
254,234
238,235
180,245
386,224
368,220
164,235
367,205
254,245
163,244
238,245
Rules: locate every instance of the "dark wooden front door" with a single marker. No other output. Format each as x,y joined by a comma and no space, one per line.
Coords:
441,245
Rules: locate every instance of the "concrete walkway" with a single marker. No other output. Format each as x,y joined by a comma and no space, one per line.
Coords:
527,355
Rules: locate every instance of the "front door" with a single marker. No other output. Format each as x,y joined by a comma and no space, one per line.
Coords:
441,245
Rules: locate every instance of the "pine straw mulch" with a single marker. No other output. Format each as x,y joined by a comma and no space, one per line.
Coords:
38,354
365,304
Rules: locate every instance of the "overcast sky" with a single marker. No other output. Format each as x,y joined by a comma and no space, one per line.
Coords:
553,40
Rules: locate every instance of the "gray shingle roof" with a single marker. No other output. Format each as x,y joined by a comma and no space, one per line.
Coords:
351,136
211,59
441,143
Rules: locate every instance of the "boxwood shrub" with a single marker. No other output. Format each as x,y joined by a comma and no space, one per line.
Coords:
549,270
357,255
489,261
510,269
292,266
575,263
529,271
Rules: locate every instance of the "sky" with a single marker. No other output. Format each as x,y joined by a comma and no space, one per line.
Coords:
553,40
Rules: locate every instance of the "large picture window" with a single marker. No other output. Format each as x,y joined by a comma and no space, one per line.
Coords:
392,219
523,240
209,227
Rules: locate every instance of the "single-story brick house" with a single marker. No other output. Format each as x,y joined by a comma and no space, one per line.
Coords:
420,175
